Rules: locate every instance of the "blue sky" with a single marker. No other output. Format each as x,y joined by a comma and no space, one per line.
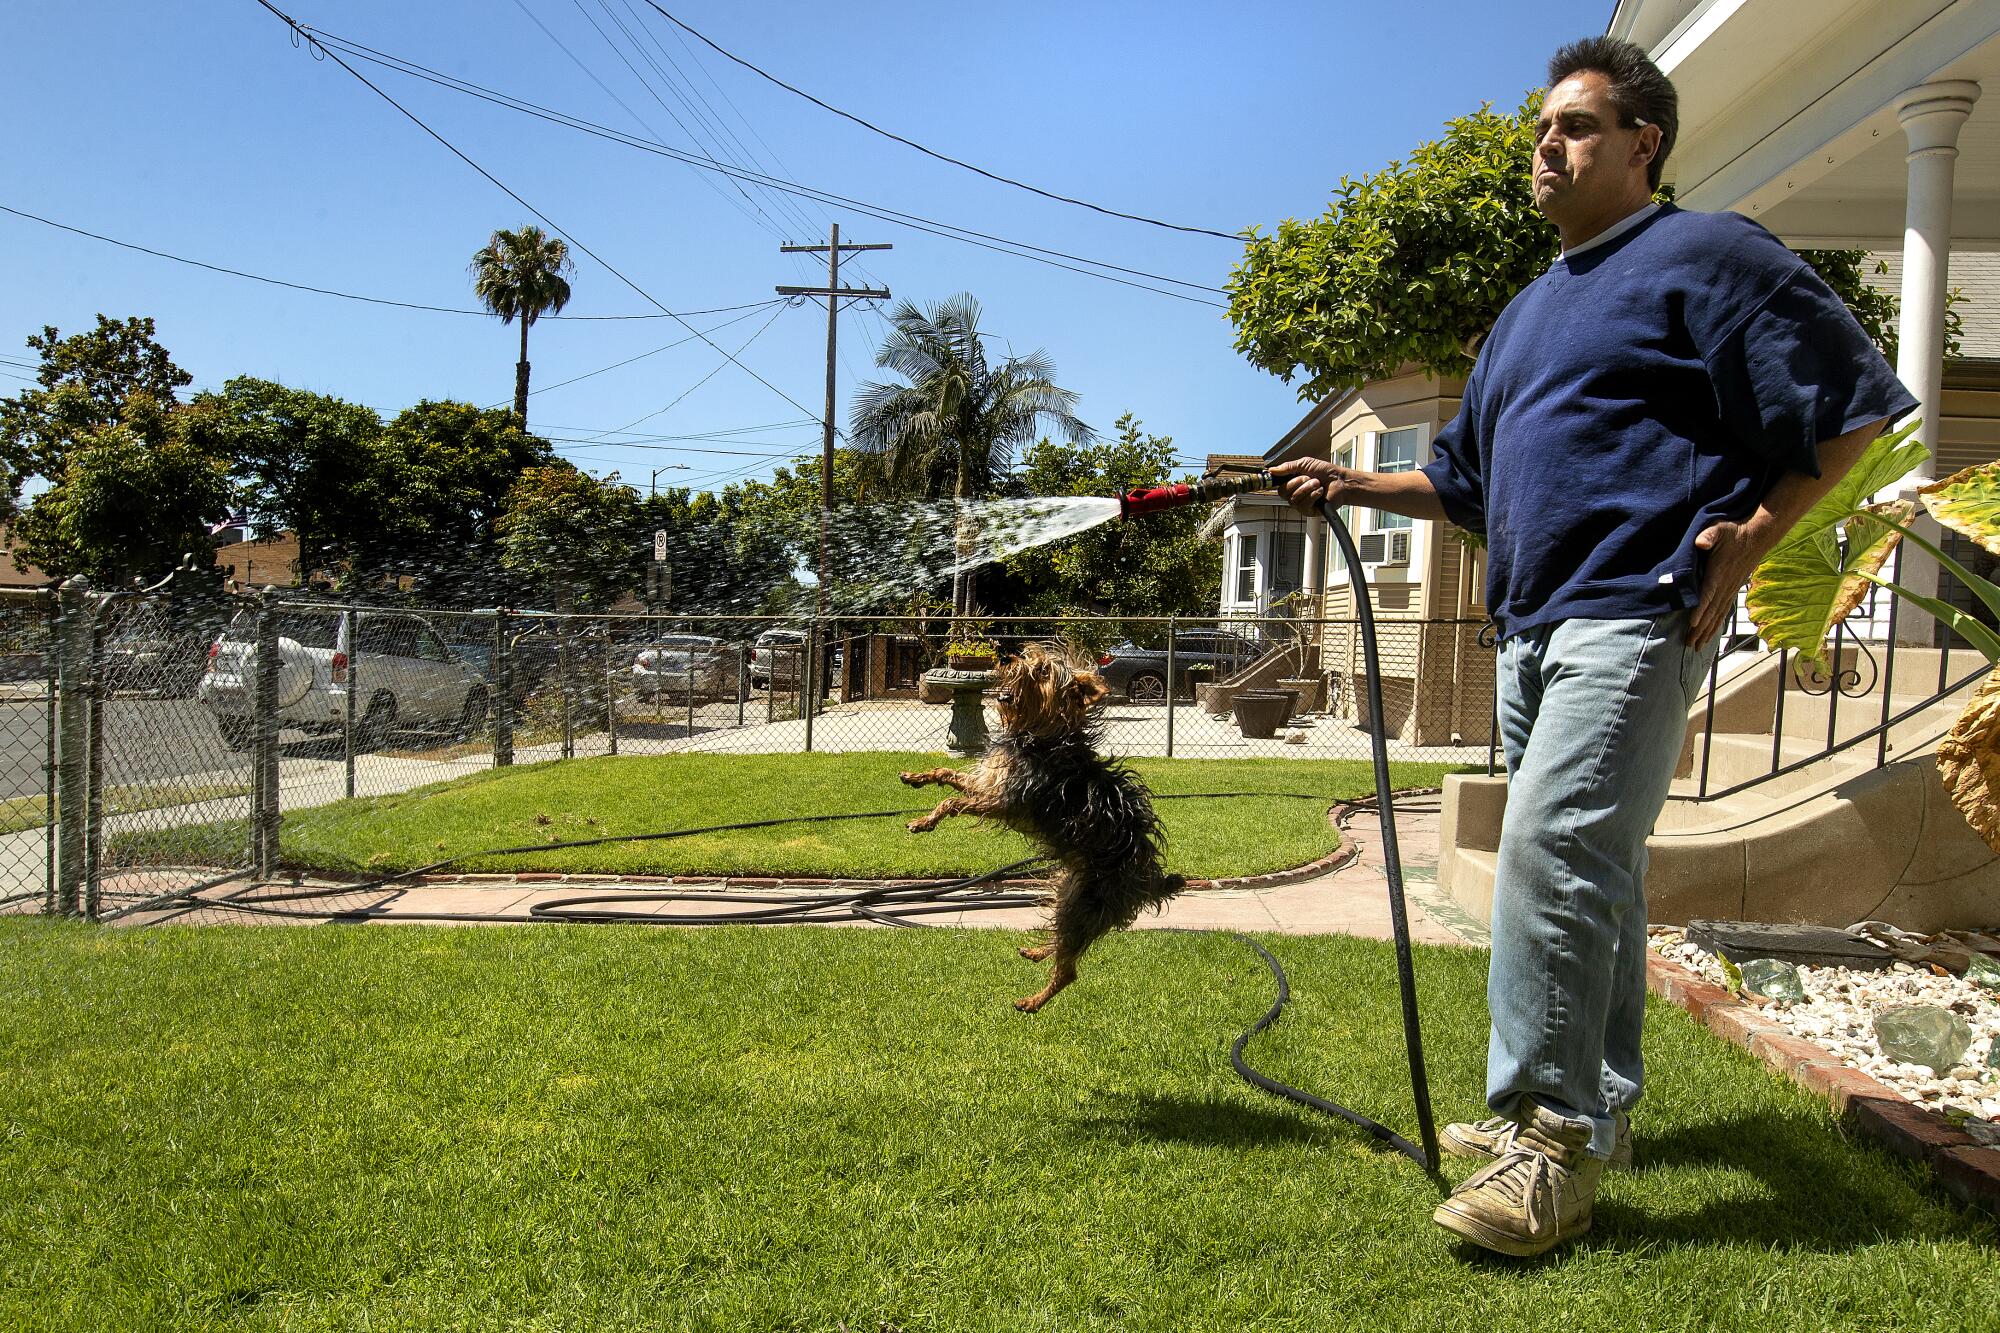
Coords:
201,130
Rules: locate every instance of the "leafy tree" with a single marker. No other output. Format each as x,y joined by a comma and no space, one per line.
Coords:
955,415
85,383
574,539
132,498
522,275
1156,568
301,461
1411,265
437,484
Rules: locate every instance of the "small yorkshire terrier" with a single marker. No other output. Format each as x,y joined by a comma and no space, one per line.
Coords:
1043,777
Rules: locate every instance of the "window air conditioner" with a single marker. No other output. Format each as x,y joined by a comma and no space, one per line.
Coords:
1371,546
1399,548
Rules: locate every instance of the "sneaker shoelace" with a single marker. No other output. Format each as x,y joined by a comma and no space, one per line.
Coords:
1523,1179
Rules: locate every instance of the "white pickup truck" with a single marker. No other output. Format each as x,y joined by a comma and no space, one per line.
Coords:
402,672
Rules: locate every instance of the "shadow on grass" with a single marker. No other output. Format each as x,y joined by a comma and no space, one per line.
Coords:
1809,1196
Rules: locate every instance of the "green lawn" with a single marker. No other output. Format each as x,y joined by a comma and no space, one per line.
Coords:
588,798
607,1128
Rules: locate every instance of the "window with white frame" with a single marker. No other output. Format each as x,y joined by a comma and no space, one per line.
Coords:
1246,568
1396,451
1288,561
1344,457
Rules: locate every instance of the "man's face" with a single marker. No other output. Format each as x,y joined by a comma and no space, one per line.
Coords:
1585,162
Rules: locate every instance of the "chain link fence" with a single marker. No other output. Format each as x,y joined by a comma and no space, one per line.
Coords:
176,732
27,751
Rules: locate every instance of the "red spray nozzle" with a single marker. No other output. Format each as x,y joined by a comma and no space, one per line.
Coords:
1157,498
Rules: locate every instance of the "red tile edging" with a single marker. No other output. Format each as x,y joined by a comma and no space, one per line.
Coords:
1970,1173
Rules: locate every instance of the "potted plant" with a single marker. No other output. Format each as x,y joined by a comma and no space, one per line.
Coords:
970,650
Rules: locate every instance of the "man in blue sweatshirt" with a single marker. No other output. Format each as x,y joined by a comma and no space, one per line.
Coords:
1644,422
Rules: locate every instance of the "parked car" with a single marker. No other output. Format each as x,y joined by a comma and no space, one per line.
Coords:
165,666
682,666
777,657
1140,674
404,675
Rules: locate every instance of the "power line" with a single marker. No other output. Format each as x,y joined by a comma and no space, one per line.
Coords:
329,291
930,152
418,121
728,359
916,222
717,328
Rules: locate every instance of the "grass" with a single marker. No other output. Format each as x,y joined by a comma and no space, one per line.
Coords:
611,1128
588,798
25,812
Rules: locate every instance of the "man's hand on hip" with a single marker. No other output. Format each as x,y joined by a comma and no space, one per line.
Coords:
1734,550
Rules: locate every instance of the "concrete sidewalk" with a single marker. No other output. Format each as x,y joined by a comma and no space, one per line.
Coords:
1352,900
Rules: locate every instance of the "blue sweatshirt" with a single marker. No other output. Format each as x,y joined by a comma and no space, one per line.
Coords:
1636,393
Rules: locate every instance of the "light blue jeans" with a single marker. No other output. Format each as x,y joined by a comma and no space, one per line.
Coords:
1592,715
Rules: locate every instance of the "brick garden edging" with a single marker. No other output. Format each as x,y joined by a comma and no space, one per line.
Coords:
1970,1173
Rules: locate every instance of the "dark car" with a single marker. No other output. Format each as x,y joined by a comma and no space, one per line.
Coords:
1140,674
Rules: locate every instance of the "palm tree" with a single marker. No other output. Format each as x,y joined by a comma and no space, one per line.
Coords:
955,418
522,273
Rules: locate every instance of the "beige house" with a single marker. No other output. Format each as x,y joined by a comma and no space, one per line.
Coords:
1426,586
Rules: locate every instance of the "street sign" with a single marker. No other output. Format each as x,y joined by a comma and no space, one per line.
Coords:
660,546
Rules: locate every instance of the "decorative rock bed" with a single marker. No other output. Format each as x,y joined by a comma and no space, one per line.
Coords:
1839,1012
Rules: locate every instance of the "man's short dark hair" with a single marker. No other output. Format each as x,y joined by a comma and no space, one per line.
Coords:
1638,89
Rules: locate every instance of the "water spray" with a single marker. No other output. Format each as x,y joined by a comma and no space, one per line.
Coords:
1161,498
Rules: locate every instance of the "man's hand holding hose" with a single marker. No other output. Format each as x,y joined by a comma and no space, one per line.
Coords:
1307,483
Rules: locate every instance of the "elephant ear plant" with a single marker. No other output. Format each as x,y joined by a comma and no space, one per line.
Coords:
1824,567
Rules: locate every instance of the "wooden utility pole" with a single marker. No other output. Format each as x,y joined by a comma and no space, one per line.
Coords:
834,294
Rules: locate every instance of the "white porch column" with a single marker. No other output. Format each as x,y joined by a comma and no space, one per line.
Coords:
1316,563
1931,115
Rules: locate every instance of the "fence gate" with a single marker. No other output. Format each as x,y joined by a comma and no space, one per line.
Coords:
27,752
170,755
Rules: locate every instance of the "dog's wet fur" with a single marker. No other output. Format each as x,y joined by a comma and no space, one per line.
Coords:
1043,777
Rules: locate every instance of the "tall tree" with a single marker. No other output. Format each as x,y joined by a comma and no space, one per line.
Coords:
956,418
438,482
84,384
573,537
302,462
522,275
132,497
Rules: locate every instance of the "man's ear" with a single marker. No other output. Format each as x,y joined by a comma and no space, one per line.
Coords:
1652,148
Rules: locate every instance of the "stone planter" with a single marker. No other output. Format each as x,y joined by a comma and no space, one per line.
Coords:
1259,713
933,691
970,661
1214,699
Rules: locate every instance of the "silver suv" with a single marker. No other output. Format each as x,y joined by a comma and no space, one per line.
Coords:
777,658
405,676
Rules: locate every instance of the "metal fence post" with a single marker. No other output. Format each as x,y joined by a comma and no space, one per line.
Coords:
72,742
567,687
46,604
742,685
264,765
350,631
503,692
808,687
93,839
1170,686
610,691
